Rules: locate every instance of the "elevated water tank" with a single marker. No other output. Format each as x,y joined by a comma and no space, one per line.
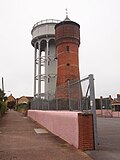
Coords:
43,41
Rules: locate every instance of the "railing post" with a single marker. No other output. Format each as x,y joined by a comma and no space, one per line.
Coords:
69,101
80,96
101,105
93,108
48,102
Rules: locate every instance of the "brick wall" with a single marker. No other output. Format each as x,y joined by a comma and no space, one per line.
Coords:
86,134
67,32
67,37
68,68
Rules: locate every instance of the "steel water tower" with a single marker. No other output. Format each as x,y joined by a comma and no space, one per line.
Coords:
43,41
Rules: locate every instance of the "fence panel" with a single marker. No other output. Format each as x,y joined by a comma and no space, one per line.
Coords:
75,95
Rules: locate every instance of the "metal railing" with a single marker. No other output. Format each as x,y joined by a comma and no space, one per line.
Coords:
76,95
46,21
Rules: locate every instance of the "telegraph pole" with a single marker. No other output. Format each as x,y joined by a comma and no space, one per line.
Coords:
2,84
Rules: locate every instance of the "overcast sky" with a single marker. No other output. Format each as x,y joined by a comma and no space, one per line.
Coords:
100,41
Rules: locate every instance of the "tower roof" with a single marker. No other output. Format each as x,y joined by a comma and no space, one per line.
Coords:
67,21
66,18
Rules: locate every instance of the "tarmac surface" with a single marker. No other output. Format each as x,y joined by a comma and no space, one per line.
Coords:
23,139
108,138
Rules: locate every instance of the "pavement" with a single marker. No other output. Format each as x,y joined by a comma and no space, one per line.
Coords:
23,139
109,139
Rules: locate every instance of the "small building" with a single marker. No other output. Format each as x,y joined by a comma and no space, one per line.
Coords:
23,100
11,102
104,103
116,103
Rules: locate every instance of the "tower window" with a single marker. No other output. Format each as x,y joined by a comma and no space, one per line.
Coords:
48,80
67,48
68,64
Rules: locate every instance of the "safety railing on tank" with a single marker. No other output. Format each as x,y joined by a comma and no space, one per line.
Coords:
46,21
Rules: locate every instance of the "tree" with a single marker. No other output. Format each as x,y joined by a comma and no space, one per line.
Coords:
3,98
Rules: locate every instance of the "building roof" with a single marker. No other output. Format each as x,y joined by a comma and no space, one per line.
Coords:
66,18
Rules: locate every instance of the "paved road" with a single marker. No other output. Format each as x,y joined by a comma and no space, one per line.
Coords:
109,139
19,141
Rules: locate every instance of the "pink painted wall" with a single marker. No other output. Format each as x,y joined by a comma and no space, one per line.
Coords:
64,124
116,114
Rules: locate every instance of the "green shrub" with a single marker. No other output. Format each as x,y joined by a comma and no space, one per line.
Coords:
3,108
22,108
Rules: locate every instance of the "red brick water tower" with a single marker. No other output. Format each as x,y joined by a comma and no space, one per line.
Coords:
67,37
